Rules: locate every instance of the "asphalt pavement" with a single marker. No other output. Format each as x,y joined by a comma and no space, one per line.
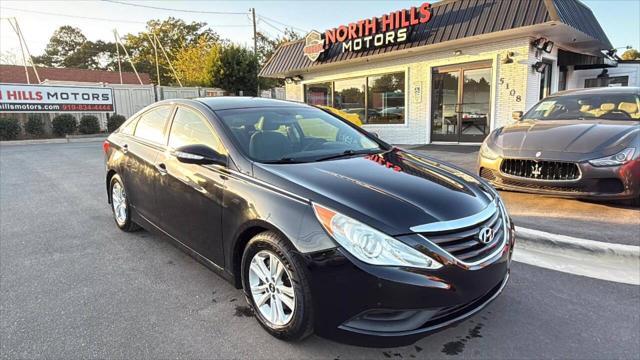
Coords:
600,221
74,286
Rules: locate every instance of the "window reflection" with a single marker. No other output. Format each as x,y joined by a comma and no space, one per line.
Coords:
386,99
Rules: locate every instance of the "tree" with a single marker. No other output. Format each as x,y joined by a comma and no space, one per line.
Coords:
174,35
236,70
69,48
194,63
631,54
266,48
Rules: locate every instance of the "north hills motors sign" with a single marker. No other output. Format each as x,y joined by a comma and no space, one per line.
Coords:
389,29
42,98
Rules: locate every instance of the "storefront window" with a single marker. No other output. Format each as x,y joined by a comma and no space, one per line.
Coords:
375,99
607,81
318,94
385,99
348,96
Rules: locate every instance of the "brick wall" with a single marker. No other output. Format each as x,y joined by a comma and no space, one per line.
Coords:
521,80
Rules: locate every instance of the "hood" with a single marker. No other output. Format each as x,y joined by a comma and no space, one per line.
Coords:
566,136
392,191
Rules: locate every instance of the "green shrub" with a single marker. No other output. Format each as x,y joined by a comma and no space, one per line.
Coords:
64,124
9,128
34,125
114,122
89,124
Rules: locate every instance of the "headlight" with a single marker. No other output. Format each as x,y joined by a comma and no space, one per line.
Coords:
618,159
370,245
487,153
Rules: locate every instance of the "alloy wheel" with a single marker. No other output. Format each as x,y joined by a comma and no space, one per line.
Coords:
271,288
119,202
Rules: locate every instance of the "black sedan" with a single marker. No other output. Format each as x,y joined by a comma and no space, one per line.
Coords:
577,143
326,228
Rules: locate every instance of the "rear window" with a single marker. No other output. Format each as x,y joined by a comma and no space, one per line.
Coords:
618,106
151,124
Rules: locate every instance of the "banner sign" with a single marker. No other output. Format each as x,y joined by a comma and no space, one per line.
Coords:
43,98
389,29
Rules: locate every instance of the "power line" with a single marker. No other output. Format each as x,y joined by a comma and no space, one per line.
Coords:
102,19
272,26
71,16
176,10
283,24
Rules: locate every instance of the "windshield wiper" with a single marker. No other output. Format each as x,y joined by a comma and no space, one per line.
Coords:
349,153
284,160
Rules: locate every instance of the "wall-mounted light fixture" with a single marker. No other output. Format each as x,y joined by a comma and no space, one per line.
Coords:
297,78
543,44
540,66
509,58
288,80
457,52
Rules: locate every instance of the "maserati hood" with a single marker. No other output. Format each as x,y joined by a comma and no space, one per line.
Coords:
392,191
566,136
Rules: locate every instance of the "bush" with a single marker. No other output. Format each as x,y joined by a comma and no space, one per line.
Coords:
64,124
89,124
34,125
9,128
114,122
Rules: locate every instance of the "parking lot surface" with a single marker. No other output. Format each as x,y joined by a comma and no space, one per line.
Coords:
74,286
608,222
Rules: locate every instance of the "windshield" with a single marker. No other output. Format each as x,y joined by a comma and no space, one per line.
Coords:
296,134
618,106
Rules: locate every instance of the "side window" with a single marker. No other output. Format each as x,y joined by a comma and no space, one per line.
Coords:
129,127
190,128
151,124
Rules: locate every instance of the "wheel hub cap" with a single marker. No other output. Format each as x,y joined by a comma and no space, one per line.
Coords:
118,200
271,288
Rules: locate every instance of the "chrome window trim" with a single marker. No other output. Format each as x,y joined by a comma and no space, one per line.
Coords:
471,220
514,177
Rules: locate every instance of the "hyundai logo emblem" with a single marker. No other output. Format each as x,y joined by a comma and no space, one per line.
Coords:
485,235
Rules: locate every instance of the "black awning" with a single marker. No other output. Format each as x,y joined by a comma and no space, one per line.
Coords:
583,61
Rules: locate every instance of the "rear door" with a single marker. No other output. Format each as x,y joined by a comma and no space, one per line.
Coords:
141,150
189,195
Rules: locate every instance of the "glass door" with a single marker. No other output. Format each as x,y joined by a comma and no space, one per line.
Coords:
461,102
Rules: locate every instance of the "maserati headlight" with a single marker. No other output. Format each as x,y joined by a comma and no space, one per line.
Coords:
368,244
617,159
487,153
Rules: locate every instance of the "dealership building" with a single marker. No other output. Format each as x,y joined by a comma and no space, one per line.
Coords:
450,71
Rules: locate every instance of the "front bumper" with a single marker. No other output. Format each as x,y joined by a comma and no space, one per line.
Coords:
596,183
384,306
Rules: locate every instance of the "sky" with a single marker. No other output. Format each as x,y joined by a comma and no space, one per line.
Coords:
619,18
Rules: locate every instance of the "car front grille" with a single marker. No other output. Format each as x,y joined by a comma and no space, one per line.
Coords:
464,243
540,170
544,187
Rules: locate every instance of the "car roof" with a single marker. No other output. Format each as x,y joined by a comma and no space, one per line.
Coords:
600,90
238,102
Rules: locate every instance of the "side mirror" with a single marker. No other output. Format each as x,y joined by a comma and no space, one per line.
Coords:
516,115
374,134
199,154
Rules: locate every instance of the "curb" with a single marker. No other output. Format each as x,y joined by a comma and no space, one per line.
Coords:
563,242
72,139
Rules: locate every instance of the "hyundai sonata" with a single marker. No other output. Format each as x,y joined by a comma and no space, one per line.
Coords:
326,228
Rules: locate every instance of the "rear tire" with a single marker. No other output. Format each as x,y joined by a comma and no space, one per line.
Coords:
273,276
120,205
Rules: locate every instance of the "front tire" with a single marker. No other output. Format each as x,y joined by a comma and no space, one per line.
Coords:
120,205
277,287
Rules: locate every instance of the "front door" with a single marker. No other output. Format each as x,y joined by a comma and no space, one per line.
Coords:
461,102
190,195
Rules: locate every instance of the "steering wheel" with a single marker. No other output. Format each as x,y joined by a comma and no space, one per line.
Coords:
619,111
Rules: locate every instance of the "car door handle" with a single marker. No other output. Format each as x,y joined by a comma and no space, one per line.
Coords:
125,148
162,168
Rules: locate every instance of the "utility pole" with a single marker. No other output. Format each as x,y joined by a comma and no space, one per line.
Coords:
155,51
255,48
118,52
